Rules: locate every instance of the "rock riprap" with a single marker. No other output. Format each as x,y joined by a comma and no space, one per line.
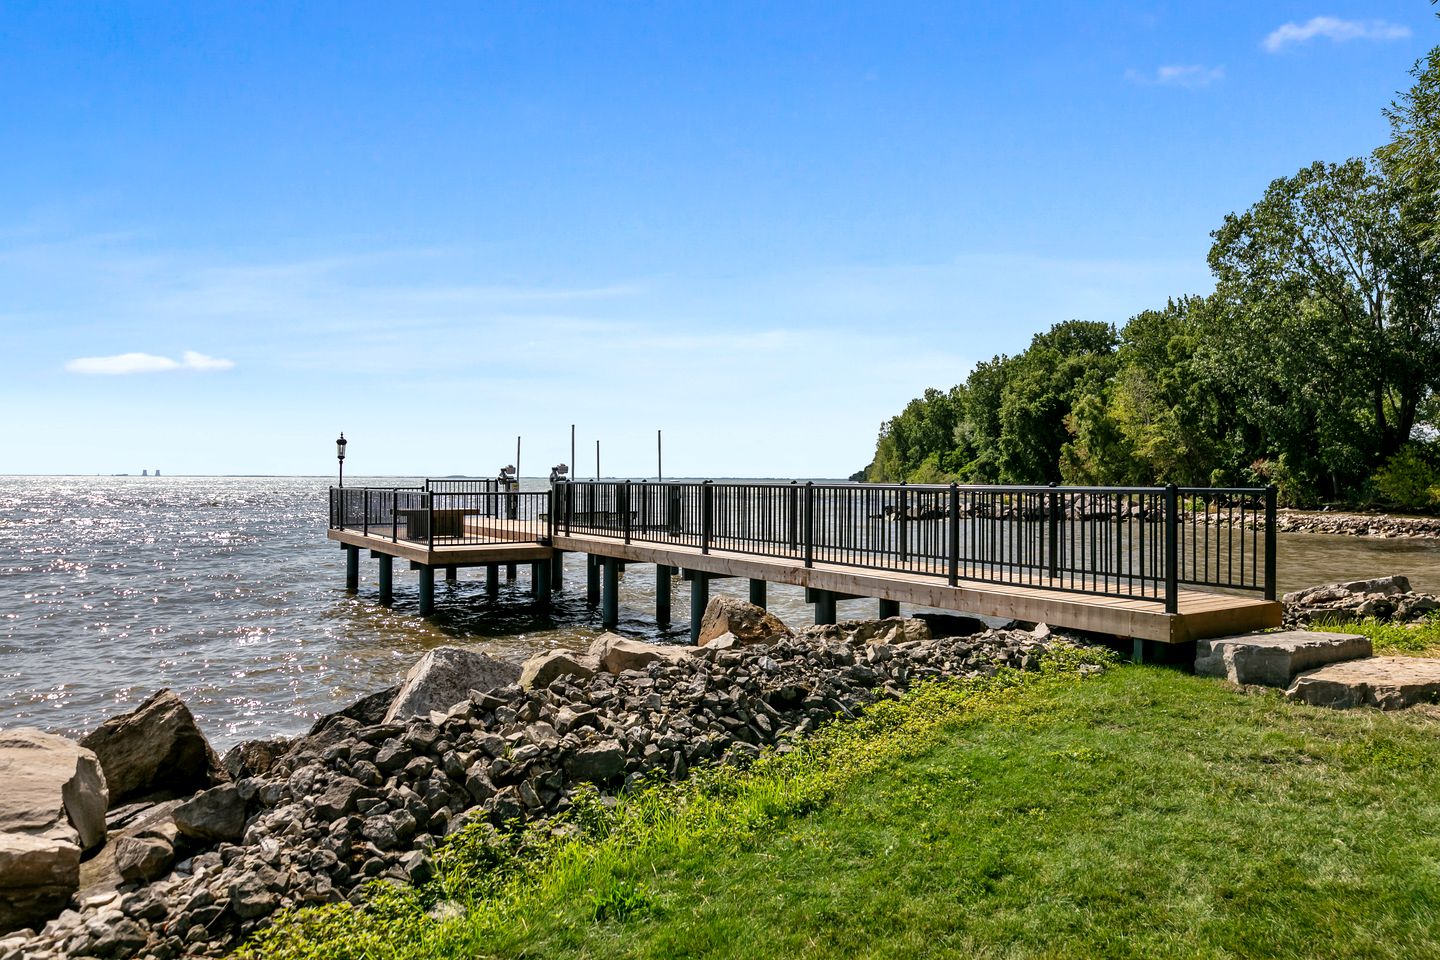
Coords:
1382,598
53,800
155,747
359,801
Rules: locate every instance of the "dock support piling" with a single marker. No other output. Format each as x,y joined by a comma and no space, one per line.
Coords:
592,579
889,608
387,579
662,595
427,591
699,600
492,580
540,574
352,568
610,594
509,573
824,607
451,574
535,578
557,570
757,592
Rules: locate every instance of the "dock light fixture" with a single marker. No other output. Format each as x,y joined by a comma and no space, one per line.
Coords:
559,472
340,456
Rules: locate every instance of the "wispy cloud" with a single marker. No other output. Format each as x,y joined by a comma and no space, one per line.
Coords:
1178,75
1333,28
122,364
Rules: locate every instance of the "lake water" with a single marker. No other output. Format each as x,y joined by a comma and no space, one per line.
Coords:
226,590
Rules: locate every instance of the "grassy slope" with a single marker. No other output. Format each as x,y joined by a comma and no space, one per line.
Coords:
1141,813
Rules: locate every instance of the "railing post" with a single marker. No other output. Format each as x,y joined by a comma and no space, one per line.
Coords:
809,523
1172,548
367,512
707,515
1052,523
792,500
1270,545
625,510
569,505
954,534
904,545
394,516
430,522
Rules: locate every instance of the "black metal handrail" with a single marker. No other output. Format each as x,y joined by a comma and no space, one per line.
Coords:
460,518
1135,542
1140,542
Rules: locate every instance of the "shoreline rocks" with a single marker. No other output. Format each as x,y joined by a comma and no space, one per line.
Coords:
361,799
1352,524
155,747
1387,598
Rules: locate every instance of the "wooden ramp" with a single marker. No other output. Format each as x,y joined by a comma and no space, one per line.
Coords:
1200,614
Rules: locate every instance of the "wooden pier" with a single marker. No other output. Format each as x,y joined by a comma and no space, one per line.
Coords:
1153,564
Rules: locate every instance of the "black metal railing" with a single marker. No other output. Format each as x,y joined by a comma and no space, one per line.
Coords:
441,517
1138,542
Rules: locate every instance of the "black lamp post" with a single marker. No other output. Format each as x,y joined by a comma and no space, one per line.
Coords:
340,455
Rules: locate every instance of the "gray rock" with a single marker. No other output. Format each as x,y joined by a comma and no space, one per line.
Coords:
367,711
746,621
616,654
444,677
51,785
254,758
543,670
597,764
338,799
216,815
156,746
38,875
143,859
250,898
1389,683
1272,659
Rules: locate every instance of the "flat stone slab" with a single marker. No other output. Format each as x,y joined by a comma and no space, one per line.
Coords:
1273,659
1390,683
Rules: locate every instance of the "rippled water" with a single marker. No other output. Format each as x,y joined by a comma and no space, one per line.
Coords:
225,589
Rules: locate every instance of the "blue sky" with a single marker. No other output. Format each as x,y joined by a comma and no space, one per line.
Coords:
760,227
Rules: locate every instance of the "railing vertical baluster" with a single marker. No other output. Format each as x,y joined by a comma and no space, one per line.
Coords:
430,520
394,516
904,525
1053,522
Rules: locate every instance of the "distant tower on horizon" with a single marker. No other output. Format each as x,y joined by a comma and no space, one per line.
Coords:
157,471
144,473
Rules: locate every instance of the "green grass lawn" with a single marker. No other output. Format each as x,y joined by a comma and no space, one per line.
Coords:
1140,813
1420,639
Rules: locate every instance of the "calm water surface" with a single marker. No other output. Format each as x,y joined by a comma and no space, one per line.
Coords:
225,589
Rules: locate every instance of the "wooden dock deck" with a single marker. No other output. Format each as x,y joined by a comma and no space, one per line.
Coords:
1199,613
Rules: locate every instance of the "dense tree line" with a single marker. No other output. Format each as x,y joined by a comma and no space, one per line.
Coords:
1313,365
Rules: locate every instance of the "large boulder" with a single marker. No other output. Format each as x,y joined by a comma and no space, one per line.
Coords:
1389,683
155,747
616,654
214,816
368,711
444,677
545,669
38,875
749,623
889,630
51,786
1273,659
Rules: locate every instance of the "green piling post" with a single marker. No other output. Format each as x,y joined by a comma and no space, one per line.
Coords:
610,594
352,568
699,600
427,591
387,579
662,595
757,592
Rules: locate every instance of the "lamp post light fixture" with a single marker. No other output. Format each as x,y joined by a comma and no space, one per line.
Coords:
559,472
340,456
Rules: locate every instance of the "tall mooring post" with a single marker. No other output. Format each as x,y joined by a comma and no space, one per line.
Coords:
610,593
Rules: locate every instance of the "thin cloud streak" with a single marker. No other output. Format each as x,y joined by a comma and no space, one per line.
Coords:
125,364
1193,76
1335,29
